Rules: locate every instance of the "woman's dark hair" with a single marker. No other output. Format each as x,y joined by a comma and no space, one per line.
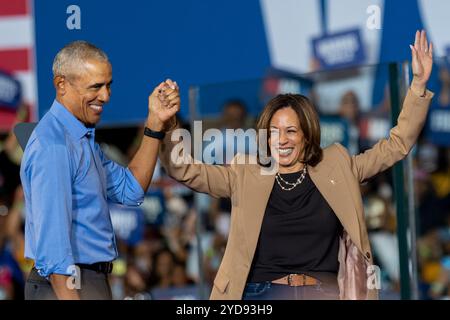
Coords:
308,119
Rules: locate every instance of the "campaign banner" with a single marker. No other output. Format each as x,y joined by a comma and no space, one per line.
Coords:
339,50
372,128
154,207
439,126
10,91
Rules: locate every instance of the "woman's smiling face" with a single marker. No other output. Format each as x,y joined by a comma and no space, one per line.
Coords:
286,140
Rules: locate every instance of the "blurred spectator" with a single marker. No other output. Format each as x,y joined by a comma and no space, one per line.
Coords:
429,206
440,288
381,223
434,258
162,269
441,177
444,93
427,154
180,278
349,109
234,115
134,282
11,276
213,255
10,156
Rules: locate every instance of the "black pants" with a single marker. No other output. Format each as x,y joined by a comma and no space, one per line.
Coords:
94,286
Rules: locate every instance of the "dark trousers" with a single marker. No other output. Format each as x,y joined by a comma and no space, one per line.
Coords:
326,289
94,286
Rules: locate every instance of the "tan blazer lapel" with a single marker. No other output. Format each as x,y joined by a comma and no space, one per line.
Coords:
331,183
257,193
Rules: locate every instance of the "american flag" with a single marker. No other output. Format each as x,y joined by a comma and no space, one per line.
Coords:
17,54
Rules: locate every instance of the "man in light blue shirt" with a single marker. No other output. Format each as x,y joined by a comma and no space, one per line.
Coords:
67,179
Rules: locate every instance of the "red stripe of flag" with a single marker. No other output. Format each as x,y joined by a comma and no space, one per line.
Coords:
7,119
15,60
13,7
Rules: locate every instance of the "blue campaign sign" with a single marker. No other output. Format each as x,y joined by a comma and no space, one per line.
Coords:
333,129
154,207
339,50
10,91
128,222
439,126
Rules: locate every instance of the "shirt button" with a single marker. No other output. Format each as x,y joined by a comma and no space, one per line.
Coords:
333,182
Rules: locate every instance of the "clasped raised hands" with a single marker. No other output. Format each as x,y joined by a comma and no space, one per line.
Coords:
163,104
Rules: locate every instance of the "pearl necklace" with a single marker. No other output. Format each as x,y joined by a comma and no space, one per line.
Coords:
291,184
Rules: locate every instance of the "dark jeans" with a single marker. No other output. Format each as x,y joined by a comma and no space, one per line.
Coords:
327,289
94,286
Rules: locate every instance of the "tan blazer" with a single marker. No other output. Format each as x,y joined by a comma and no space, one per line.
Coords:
337,177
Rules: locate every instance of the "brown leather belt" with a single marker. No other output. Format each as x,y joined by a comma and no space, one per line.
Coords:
297,280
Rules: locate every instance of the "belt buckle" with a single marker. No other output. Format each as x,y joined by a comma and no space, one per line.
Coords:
290,279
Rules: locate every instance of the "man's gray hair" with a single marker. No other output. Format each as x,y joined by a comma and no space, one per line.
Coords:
72,57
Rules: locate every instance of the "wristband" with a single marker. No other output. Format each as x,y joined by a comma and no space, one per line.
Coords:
154,134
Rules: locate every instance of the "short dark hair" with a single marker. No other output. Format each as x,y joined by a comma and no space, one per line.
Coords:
235,102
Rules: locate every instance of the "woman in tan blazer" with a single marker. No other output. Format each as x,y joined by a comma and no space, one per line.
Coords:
299,232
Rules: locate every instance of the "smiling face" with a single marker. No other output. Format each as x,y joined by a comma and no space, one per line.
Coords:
294,132
286,140
86,93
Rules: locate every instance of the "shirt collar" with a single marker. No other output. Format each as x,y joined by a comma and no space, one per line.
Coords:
74,126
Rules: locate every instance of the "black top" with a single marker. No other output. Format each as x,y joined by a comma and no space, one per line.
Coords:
299,233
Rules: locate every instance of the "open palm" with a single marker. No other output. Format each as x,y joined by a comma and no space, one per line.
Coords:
422,57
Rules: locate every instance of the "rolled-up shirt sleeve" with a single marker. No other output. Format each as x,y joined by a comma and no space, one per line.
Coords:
122,186
50,179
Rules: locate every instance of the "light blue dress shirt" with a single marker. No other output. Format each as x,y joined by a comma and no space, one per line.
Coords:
67,180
